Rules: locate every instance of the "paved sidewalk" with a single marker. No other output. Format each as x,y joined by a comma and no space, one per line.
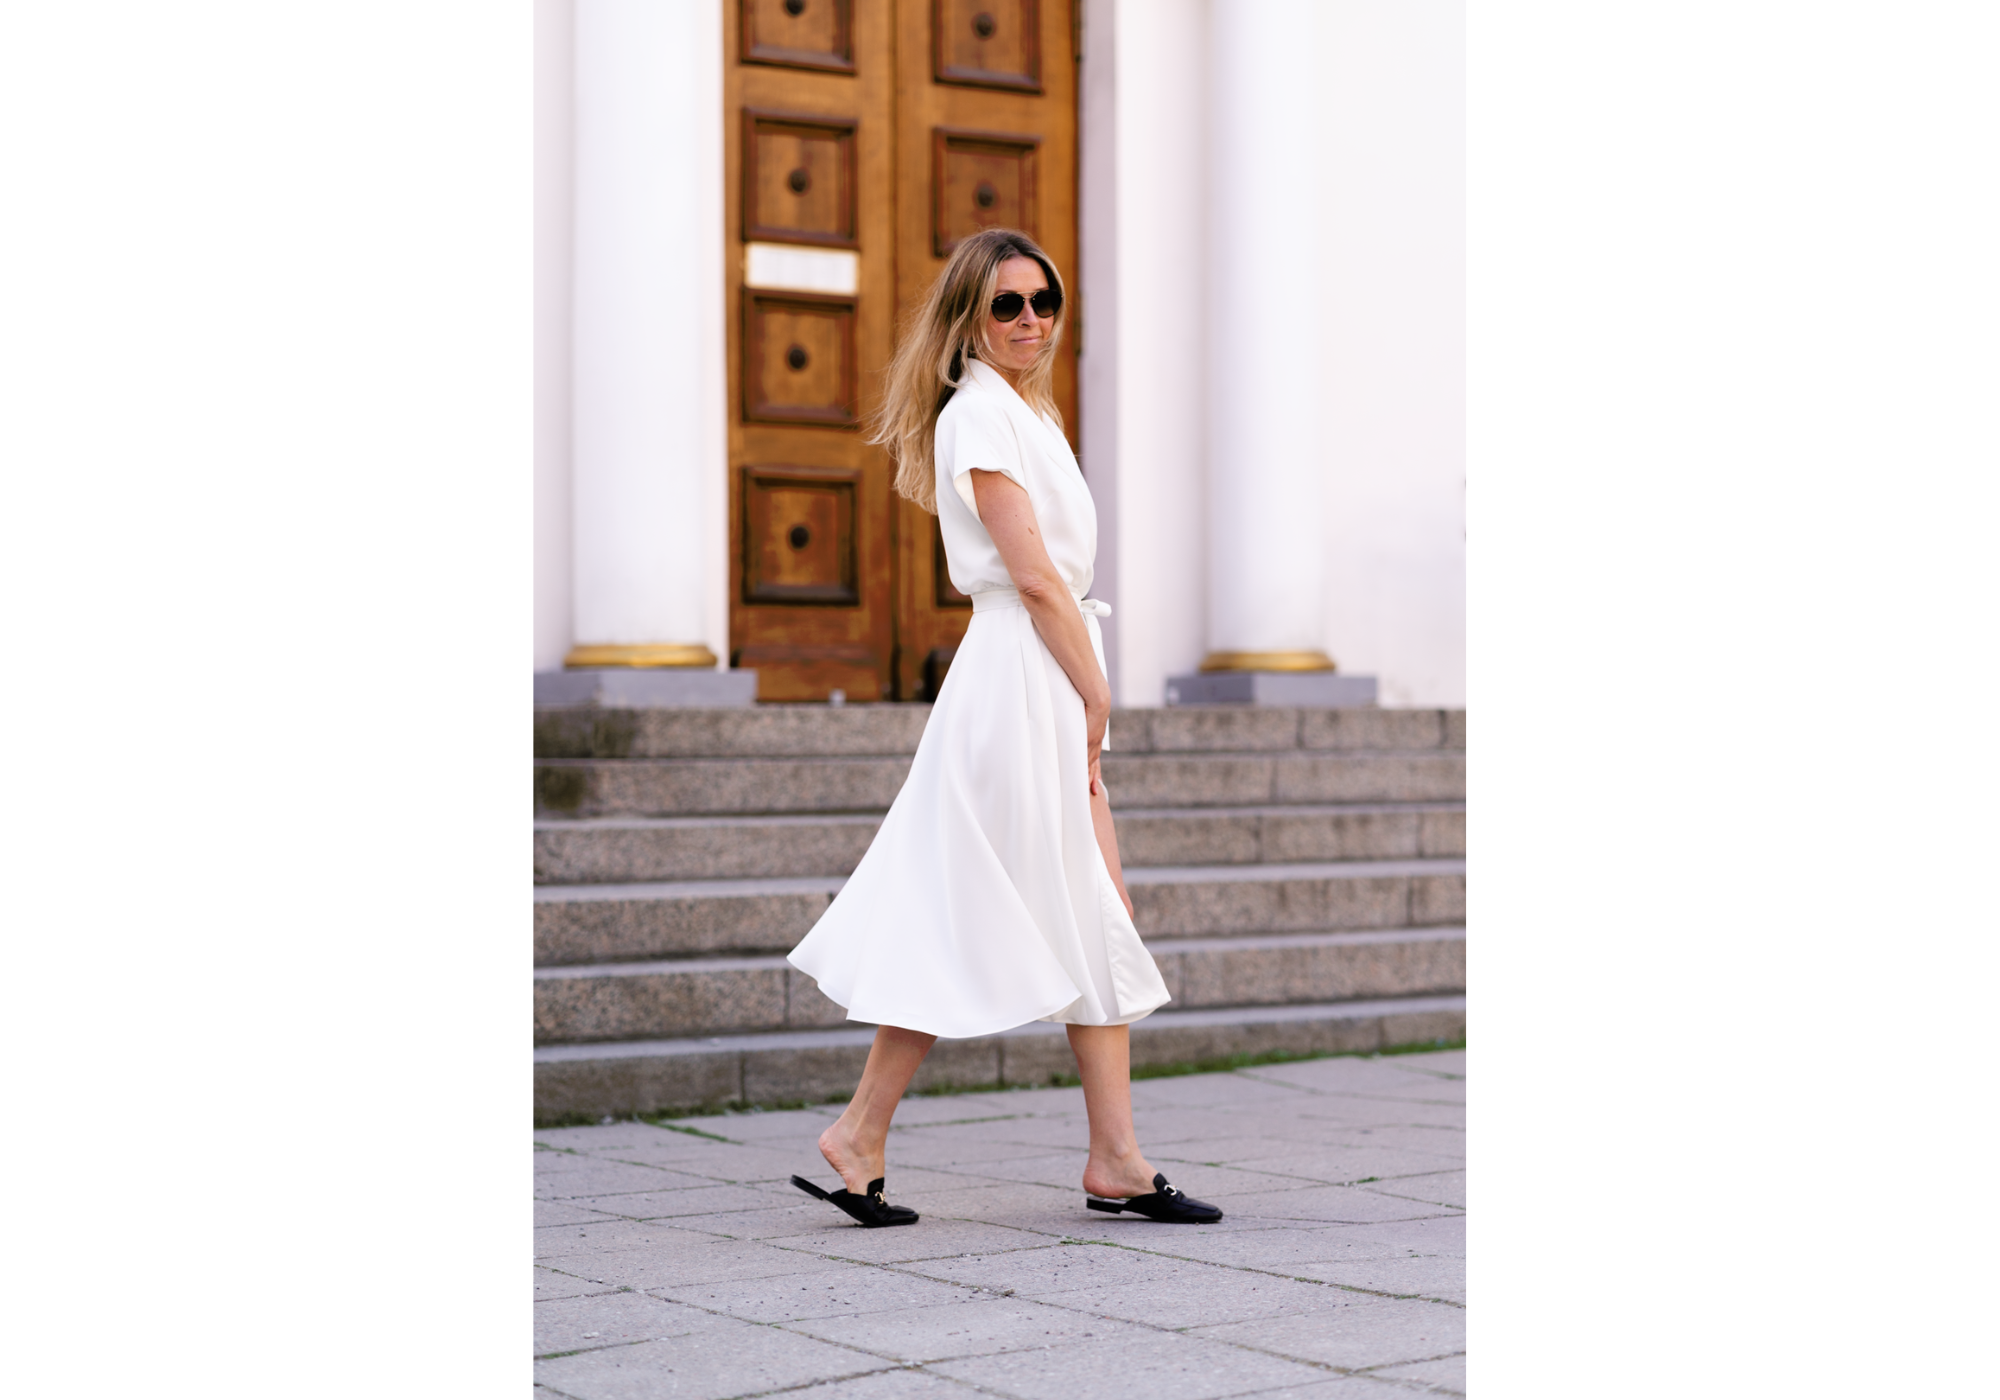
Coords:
678,1265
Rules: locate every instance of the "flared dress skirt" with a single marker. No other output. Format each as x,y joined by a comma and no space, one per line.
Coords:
984,902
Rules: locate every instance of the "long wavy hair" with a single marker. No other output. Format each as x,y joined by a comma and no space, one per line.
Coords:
943,333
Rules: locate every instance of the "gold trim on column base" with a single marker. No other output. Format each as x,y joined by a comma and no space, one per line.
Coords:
1267,661
650,654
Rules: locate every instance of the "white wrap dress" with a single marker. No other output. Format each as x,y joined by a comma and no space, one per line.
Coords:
984,901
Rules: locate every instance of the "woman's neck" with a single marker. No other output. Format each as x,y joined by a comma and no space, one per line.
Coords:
1012,376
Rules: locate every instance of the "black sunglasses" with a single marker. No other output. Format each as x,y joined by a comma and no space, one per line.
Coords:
1007,306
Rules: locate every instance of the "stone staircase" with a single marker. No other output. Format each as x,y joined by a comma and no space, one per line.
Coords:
1298,874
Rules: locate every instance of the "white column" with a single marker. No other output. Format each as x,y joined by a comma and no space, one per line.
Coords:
1267,523
650,435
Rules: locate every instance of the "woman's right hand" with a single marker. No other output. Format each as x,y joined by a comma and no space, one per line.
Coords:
1096,719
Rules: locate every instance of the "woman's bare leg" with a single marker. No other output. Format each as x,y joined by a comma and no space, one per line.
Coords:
857,1144
1104,1060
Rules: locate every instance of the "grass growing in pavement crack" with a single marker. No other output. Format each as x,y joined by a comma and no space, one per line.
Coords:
691,1132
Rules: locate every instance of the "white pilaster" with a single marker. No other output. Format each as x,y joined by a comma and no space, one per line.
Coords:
649,464
1267,522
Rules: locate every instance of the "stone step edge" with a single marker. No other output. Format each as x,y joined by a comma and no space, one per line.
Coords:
1133,755
855,818
1252,942
1134,875
841,1039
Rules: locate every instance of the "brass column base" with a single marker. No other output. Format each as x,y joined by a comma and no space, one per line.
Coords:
1267,661
648,654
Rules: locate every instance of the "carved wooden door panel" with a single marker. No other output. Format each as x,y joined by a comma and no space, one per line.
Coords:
864,137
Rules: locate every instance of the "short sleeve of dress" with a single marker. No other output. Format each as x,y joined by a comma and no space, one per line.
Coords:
973,434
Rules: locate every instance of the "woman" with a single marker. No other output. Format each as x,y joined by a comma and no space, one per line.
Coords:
992,895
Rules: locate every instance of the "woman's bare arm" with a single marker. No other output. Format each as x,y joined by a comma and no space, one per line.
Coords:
1009,517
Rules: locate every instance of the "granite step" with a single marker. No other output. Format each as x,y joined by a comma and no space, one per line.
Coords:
677,787
1243,779
580,924
721,787
1197,901
585,1082
1282,833
716,996
612,850
765,731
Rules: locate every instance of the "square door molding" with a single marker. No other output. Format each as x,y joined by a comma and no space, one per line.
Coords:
980,180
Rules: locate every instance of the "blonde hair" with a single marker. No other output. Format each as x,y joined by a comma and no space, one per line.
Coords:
940,336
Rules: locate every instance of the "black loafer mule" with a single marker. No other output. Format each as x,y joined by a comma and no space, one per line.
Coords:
1165,1203
871,1210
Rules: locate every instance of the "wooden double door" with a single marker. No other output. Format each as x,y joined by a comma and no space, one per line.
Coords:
865,137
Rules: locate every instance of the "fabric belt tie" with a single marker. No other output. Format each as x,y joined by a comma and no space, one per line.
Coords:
988,599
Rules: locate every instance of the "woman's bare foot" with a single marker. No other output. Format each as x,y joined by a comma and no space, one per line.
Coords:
1116,1178
857,1162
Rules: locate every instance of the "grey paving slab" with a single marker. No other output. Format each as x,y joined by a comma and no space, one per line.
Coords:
1236,1094
609,1237
611,1319
1354,1332
722,1161
1355,1111
779,1221
930,1238
730,1358
1056,1268
565,1213
904,1384
1223,1146
1196,1295
1436,1140
831,1292
1340,1388
607,1178
1153,1364
1336,1204
552,1283
1437,1276
1443,1188
1446,1373
596,1139
1438,1234
704,1199
1152,1236
1274,1247
1016,1203
973,1328
1343,1164
1008,1285
1351,1073
705,1259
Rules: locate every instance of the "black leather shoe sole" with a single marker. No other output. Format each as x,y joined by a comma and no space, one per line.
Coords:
871,1210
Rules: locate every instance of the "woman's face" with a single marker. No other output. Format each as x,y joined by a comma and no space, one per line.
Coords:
1012,347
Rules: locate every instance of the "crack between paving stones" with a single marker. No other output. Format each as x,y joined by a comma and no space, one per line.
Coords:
906,1269
1365,1098
791,1325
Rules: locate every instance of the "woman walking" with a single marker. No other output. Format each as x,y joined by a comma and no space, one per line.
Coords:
992,895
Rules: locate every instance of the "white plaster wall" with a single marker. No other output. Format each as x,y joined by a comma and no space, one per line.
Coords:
1393,305
1158,191
554,21
1382,279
